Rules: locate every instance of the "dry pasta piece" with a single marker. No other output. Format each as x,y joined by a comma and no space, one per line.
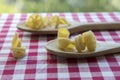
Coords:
46,21
64,42
17,49
63,32
55,21
79,44
19,43
90,40
18,52
82,43
70,48
15,40
35,21
64,21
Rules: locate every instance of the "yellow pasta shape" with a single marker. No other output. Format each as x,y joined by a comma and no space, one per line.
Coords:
86,41
18,52
64,42
17,48
15,40
46,21
70,48
35,21
19,43
79,44
64,21
55,20
90,40
82,43
63,32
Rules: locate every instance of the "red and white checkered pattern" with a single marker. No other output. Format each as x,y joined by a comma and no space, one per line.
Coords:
41,65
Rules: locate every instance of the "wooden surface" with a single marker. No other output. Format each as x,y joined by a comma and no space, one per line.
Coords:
103,48
75,27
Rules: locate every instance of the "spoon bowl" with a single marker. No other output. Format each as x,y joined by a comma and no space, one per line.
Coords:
103,48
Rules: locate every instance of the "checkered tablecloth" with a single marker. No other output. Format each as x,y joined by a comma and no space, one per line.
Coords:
41,65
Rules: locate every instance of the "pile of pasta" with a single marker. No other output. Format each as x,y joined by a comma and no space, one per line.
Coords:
17,48
36,21
82,42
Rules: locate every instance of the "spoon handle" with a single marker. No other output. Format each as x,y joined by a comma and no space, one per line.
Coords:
95,26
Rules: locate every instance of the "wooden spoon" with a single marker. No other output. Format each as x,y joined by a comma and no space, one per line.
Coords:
74,27
103,48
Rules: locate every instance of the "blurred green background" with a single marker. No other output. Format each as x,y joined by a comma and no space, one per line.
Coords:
29,6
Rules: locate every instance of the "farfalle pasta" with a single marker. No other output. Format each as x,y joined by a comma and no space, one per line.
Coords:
64,43
81,43
37,22
89,40
18,50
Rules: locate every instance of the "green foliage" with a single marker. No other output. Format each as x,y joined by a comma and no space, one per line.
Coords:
26,6
64,6
6,8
